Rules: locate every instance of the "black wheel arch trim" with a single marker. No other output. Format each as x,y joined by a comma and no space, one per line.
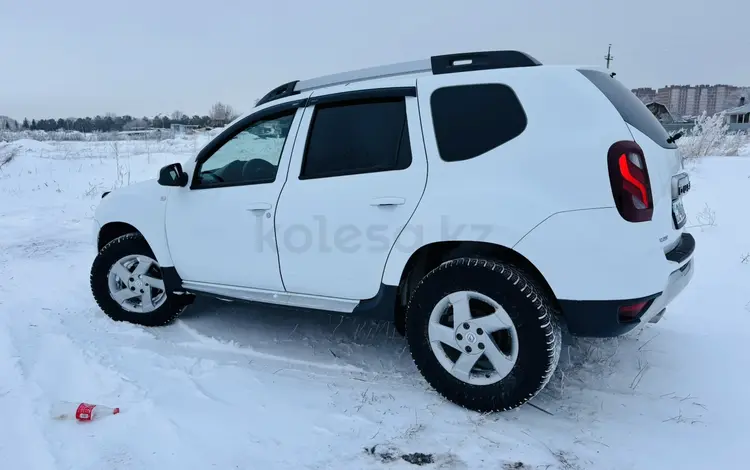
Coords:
172,279
380,307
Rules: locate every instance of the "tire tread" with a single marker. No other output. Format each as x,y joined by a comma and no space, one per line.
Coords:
135,244
546,316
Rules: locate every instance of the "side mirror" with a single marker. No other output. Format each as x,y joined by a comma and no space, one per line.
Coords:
172,175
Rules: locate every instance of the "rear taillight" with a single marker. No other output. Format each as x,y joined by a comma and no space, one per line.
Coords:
628,313
633,310
628,176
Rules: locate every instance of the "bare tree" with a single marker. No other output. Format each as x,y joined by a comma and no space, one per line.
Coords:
178,115
221,113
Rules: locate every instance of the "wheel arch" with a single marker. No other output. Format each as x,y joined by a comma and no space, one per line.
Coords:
430,256
120,240
112,230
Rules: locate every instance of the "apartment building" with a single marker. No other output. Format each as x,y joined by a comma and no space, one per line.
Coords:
688,100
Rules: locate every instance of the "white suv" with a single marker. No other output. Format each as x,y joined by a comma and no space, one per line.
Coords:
479,200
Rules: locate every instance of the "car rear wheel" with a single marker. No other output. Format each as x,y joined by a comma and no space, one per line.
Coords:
483,334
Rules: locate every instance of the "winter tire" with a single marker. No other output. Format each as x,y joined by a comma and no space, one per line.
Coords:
482,334
127,283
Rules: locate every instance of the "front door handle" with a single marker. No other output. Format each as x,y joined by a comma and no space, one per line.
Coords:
387,201
259,206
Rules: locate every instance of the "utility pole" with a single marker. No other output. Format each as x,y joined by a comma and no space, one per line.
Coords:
609,57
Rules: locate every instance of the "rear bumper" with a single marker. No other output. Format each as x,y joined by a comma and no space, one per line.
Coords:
601,318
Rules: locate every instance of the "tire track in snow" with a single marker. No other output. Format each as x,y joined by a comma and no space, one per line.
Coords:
23,442
338,371
201,341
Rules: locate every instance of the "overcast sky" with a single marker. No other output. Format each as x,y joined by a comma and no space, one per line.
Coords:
142,57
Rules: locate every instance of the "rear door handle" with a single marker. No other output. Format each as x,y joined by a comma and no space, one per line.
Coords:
258,206
387,201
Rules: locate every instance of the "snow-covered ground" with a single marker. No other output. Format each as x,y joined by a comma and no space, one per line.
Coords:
236,387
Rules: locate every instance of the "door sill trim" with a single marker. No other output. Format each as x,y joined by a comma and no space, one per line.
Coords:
273,297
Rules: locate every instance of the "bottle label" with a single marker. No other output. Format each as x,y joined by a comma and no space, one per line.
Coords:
85,412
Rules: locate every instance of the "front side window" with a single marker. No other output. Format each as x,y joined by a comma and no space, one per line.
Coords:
250,157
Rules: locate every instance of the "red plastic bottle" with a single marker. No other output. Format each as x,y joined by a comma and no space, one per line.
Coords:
81,411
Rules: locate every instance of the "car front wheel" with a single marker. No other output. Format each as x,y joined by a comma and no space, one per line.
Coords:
128,285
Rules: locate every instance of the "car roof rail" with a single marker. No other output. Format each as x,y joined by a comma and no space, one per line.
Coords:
437,65
483,60
281,91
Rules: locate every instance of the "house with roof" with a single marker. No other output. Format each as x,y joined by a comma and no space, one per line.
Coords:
667,119
738,118
661,112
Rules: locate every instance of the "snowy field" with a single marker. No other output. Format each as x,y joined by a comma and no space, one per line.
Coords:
237,387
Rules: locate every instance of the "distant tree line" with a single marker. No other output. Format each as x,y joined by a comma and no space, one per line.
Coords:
219,115
111,123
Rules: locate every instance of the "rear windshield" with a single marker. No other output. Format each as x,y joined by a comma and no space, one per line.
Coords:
632,110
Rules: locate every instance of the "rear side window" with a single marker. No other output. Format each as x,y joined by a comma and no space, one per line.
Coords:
471,120
632,110
357,137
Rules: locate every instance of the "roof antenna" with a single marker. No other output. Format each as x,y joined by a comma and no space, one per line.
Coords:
609,57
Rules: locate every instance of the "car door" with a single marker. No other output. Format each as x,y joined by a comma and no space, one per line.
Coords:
351,190
220,227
